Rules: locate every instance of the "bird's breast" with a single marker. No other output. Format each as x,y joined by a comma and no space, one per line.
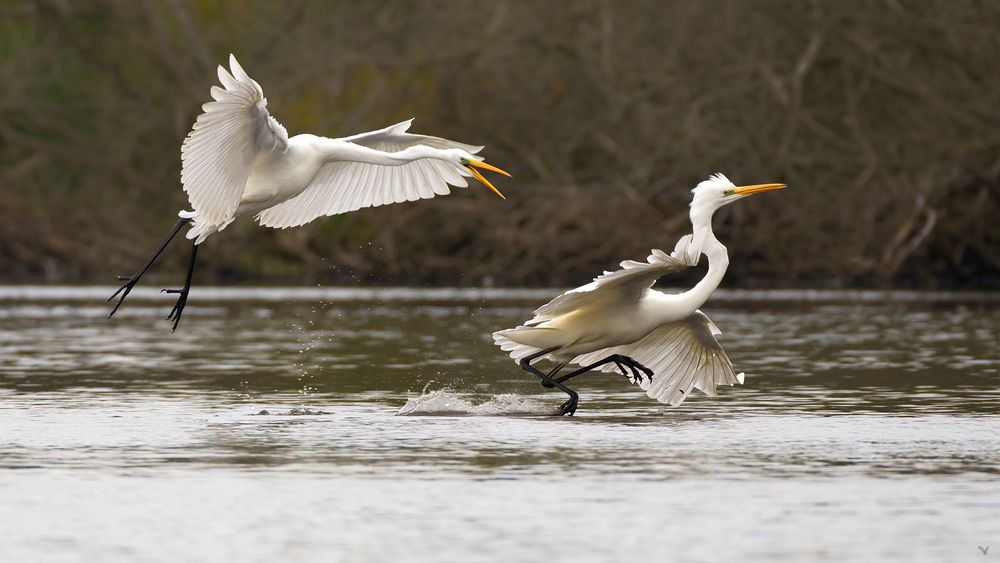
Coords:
280,176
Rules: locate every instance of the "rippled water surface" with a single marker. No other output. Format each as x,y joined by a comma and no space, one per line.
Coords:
339,425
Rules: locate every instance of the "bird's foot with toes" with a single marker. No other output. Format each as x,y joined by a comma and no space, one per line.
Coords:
633,369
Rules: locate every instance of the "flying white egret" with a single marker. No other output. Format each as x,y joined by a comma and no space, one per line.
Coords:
238,160
618,320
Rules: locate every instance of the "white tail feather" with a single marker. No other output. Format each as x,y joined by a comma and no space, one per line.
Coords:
201,228
517,350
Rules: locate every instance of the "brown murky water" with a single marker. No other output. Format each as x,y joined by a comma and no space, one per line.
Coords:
867,430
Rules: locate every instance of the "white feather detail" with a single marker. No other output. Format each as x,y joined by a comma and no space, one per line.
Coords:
219,152
683,355
516,350
634,278
341,187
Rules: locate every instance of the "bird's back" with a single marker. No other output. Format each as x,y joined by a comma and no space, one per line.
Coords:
618,307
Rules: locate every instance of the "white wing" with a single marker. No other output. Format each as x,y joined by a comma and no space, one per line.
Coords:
340,187
630,282
218,153
683,355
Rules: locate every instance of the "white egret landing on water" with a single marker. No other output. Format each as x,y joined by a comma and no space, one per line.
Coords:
662,341
238,160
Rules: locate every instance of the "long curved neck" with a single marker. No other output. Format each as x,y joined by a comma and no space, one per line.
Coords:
704,242
332,150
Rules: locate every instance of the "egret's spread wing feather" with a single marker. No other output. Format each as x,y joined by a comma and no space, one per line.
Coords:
632,280
397,134
340,187
218,153
683,355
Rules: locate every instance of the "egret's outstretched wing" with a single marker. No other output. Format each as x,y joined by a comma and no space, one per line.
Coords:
626,284
683,355
340,187
395,138
218,153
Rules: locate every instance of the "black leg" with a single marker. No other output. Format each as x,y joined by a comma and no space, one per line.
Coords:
175,313
552,374
569,407
624,363
130,281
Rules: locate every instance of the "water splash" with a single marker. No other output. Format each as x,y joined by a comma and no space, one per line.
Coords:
447,402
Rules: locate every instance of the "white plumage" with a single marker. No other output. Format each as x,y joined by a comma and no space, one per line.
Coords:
340,187
683,354
620,315
239,160
219,154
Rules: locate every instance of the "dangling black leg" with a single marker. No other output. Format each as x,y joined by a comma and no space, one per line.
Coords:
130,281
182,297
624,363
569,407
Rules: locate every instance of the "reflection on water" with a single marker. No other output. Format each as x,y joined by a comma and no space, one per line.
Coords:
271,416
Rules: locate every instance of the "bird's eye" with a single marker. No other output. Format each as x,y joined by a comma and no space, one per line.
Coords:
464,161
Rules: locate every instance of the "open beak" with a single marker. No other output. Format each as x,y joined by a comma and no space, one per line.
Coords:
757,188
473,164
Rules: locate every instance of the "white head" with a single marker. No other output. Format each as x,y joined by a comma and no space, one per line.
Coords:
709,196
717,191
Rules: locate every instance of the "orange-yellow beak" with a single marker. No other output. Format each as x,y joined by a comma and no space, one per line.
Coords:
756,189
473,164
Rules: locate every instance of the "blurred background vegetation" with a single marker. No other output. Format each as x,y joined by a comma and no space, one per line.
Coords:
882,116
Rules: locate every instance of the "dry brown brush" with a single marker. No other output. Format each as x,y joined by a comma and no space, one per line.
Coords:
884,117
